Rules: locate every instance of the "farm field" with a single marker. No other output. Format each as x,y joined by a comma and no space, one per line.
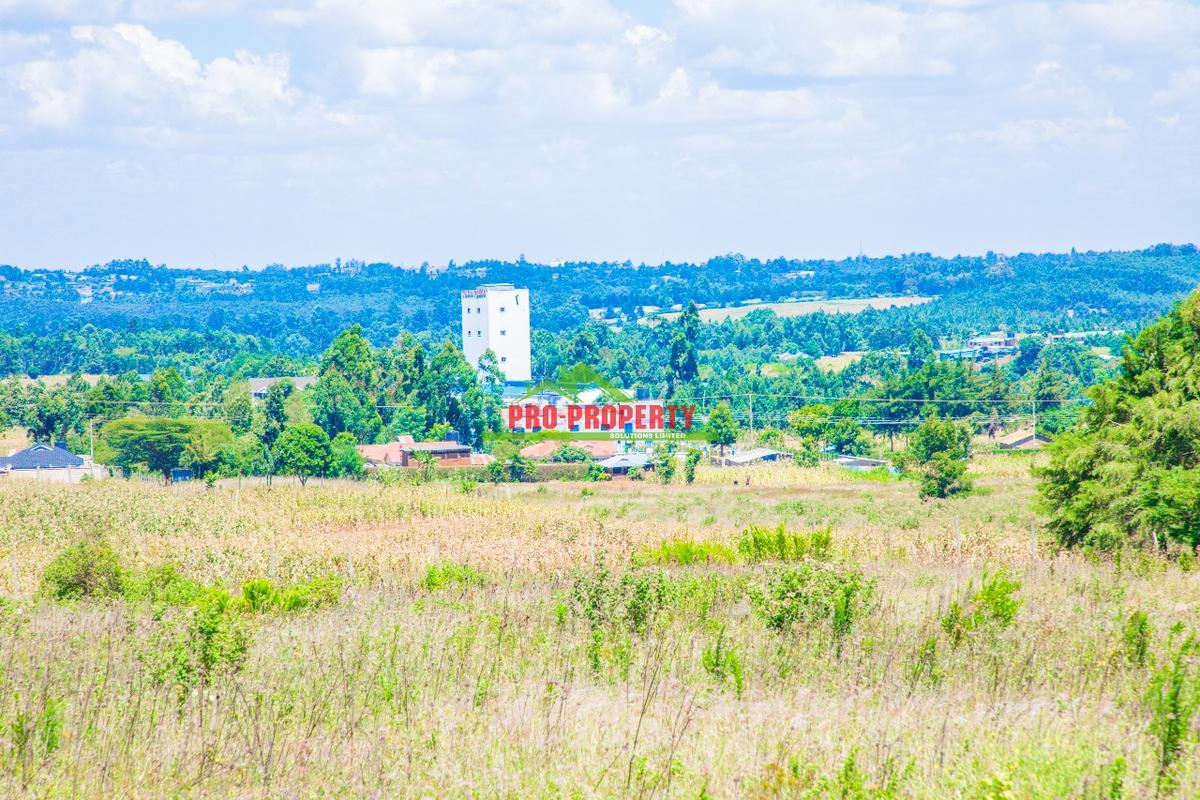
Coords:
841,361
801,308
580,640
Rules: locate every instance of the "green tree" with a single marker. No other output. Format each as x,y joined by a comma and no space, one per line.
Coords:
721,428
683,357
168,390
921,350
160,445
239,411
1128,470
304,451
275,411
689,465
204,447
944,476
568,453
937,435
847,437
664,465
339,405
350,356
427,464
521,469
345,460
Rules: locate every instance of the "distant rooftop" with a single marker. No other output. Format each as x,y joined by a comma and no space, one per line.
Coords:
41,456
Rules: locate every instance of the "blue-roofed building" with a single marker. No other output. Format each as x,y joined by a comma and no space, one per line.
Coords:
48,462
621,464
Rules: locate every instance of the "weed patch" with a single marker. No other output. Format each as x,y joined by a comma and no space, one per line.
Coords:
684,552
811,594
441,576
760,543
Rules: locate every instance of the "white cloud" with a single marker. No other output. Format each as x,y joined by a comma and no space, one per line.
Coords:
124,72
1184,87
827,37
463,23
596,103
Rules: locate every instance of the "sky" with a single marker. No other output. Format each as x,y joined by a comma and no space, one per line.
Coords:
222,133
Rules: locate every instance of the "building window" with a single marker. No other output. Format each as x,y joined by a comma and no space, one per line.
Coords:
504,333
503,359
478,333
501,309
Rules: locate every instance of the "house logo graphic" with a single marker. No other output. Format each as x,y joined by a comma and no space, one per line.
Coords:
572,382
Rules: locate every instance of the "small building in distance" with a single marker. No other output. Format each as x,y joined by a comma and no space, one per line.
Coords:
859,463
621,464
755,455
596,448
959,354
402,453
49,462
1024,439
260,386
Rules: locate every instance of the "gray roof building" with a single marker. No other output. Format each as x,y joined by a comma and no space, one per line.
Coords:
41,456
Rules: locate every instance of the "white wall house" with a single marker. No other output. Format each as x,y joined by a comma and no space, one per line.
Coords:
496,316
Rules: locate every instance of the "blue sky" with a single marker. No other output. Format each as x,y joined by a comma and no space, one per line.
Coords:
231,132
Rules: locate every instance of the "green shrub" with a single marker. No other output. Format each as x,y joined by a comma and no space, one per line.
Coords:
88,568
993,606
568,453
689,465
521,469
259,596
944,476
35,734
1174,696
813,594
595,472
217,638
643,596
316,593
923,666
721,661
439,576
1136,638
685,553
631,601
162,584
760,543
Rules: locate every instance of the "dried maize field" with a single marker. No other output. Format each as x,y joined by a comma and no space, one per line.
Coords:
813,633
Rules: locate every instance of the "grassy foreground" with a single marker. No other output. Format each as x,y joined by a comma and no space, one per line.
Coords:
588,641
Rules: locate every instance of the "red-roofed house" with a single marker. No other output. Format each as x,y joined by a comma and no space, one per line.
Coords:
449,453
597,448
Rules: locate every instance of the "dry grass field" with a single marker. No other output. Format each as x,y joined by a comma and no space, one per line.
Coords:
583,640
840,361
800,308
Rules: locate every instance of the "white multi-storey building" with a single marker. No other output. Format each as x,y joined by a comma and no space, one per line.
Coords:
496,316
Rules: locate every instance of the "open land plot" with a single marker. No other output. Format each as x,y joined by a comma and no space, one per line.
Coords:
799,308
840,361
541,640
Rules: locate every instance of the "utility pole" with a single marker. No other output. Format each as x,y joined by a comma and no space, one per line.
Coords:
751,414
92,447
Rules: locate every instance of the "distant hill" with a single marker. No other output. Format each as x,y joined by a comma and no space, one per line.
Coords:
301,309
